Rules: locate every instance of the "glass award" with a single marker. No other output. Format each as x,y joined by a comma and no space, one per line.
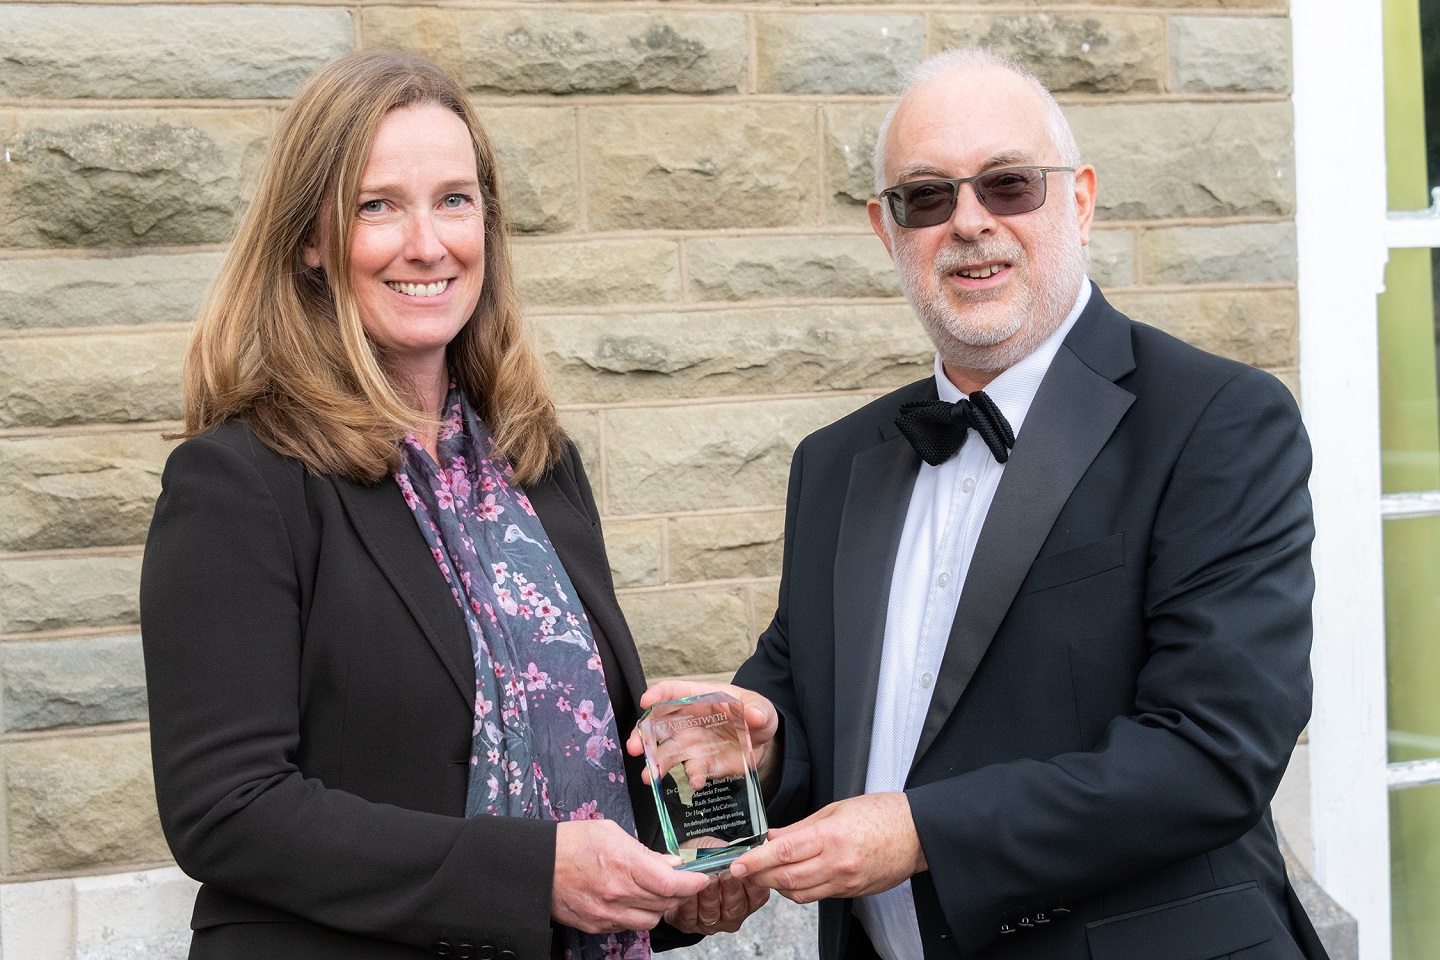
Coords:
702,772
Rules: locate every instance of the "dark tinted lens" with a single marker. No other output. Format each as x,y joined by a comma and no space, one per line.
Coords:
924,203
1011,191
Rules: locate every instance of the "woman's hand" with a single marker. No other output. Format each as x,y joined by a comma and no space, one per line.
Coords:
719,908
607,881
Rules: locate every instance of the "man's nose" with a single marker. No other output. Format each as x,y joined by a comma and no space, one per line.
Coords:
971,220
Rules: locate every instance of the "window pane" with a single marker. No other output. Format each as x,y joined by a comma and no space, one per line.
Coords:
1409,412
1412,637
1412,101
1415,872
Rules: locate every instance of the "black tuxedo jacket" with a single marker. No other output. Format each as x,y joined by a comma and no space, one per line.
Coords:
1125,678
311,701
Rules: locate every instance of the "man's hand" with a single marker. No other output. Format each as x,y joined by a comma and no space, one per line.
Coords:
719,908
851,848
760,716
606,881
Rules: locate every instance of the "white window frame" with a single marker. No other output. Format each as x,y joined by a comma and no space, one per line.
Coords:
1343,236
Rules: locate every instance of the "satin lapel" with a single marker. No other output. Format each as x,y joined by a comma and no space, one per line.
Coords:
881,480
1074,413
581,551
388,530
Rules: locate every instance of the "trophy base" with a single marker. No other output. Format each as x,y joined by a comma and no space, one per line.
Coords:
713,860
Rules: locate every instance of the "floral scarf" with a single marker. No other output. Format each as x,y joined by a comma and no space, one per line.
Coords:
544,743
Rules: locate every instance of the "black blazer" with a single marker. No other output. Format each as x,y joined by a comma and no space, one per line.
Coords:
1127,672
311,699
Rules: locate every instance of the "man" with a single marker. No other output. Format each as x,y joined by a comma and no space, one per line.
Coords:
1037,692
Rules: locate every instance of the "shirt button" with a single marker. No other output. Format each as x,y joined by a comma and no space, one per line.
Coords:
967,484
944,578
926,679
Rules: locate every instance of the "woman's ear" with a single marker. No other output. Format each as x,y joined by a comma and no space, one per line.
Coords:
311,255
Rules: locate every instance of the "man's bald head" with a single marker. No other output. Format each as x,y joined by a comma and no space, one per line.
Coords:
953,65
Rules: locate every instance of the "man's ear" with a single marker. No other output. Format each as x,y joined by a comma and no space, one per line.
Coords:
877,223
1085,200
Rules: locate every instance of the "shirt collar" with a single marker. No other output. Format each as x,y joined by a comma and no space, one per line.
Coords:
1014,389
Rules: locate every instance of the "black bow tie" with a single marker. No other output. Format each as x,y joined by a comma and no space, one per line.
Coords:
937,428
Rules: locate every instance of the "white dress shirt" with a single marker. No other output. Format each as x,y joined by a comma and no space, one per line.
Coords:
947,510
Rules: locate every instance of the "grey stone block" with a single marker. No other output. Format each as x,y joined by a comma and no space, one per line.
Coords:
837,53
82,682
62,52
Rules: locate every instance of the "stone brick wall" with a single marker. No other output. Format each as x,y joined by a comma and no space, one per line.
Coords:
688,184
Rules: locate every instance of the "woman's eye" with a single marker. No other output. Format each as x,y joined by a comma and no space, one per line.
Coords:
455,201
372,206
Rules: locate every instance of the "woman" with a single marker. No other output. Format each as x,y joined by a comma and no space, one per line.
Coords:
388,674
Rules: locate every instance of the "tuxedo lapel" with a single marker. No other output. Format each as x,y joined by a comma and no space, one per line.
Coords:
1074,413
390,535
876,501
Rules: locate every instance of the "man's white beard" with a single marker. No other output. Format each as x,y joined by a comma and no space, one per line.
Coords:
978,338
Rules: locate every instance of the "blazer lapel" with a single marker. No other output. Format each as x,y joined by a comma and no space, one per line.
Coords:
872,520
1074,413
391,537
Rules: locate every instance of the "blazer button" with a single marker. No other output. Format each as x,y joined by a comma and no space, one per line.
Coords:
1025,923
487,951
1059,912
1006,928
442,947
465,951
508,955
1040,916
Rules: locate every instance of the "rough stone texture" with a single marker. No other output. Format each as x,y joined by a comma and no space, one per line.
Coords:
1255,326
836,53
597,272
850,131
634,549
61,683
780,930
728,352
1071,52
103,291
1224,54
688,631
1189,159
757,268
53,593
566,51
700,166
78,803
1230,253
538,163
65,52
583,426
96,378
79,491
725,455
765,598
1112,257
726,546
125,178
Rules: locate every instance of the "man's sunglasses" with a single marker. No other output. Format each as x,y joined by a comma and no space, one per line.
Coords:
1004,192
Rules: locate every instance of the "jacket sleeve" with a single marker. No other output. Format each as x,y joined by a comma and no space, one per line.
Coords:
1221,697
221,610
